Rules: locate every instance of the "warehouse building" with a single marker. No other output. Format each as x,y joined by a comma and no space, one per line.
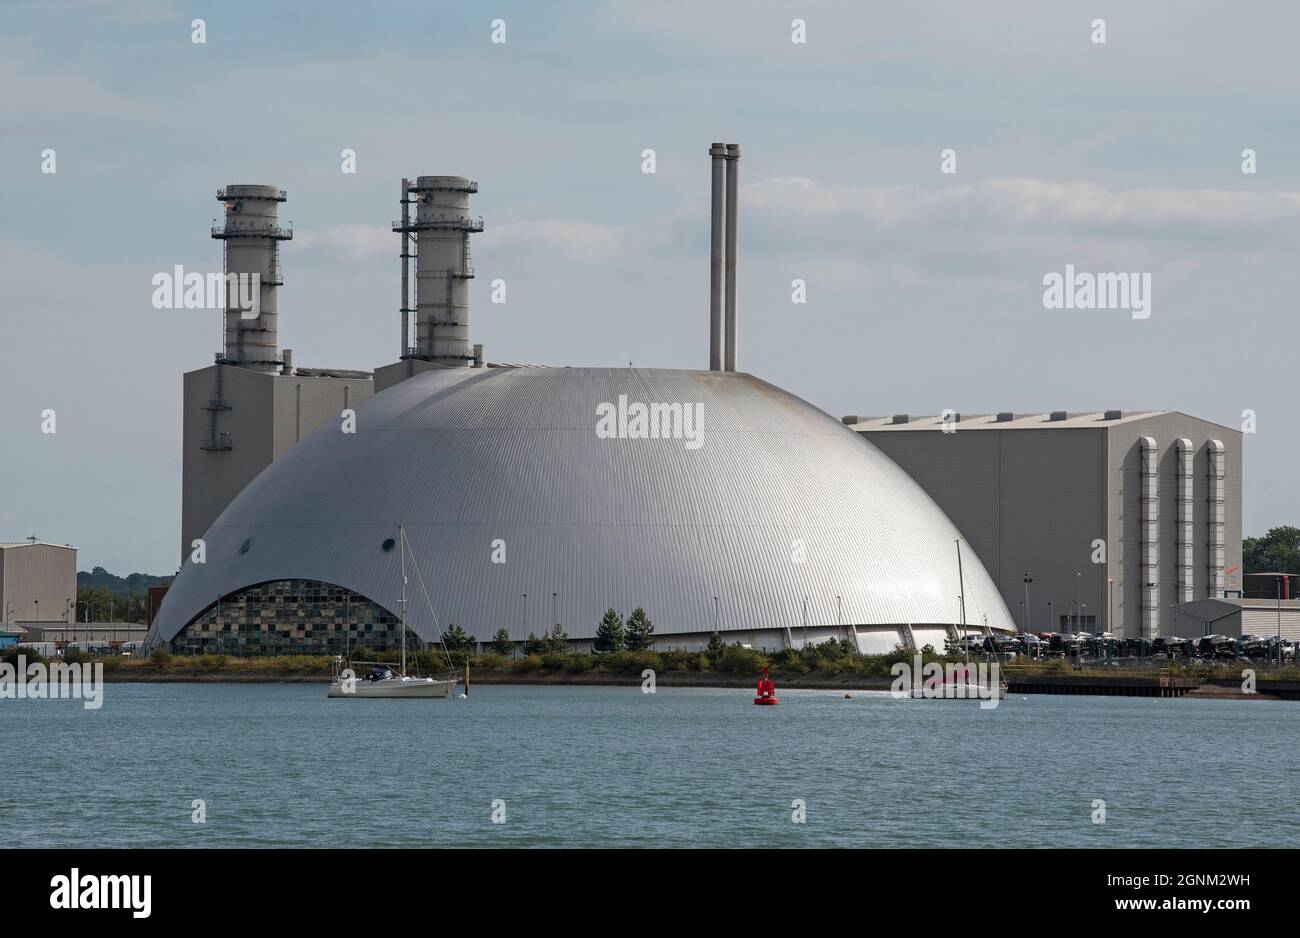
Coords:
38,585
1097,521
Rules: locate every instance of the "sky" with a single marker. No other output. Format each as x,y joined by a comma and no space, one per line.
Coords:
924,289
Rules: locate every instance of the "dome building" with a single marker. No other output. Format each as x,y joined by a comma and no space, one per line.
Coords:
535,496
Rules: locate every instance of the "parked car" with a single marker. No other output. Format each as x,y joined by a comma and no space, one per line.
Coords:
1218,646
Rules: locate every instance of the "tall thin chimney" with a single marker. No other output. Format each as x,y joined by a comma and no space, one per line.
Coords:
719,153
733,174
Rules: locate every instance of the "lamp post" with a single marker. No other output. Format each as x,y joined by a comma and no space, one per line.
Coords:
1279,622
839,615
715,614
555,601
1110,604
1051,617
1078,578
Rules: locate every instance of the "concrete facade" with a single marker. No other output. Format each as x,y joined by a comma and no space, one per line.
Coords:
1111,507
237,421
38,583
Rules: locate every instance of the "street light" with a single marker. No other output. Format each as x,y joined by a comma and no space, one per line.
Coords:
1078,578
1279,622
1110,604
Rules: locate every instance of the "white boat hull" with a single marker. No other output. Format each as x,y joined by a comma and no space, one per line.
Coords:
412,688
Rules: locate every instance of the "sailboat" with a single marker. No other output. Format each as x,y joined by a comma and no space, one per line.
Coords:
962,682
383,681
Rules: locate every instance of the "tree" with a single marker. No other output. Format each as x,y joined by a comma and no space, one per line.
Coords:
1278,551
534,645
501,643
558,640
609,634
640,631
715,647
456,638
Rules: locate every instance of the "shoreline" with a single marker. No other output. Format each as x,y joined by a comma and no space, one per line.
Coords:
1141,685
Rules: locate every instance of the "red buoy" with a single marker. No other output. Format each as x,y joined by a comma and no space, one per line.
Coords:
766,691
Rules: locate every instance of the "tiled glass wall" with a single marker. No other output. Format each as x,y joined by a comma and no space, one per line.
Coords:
292,617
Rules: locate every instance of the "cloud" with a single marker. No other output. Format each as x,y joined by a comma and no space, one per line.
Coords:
1019,204
577,240
352,241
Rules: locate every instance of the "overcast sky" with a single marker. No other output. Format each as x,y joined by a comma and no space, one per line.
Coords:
924,289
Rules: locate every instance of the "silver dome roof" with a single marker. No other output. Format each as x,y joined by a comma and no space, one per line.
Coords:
466,457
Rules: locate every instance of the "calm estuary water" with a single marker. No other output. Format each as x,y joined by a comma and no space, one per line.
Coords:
279,765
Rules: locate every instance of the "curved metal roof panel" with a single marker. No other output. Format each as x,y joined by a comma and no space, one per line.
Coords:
464,457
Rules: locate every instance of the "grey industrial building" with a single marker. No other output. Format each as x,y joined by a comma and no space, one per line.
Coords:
779,528
38,585
1037,494
252,404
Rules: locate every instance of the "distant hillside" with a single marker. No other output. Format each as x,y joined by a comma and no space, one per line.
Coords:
137,584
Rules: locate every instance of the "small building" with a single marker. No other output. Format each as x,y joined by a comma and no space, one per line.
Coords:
38,583
1238,617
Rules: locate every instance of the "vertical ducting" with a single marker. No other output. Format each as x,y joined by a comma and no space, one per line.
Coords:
405,305
716,260
1186,576
442,226
733,175
1214,520
1149,538
251,236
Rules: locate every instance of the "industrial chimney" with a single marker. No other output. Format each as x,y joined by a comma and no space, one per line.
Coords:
722,257
251,239
440,231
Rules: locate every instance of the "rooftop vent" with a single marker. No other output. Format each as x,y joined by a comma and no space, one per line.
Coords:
851,419
1004,416
1113,415
1057,415
900,418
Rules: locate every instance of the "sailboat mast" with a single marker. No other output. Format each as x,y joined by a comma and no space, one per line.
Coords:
961,592
961,583
401,533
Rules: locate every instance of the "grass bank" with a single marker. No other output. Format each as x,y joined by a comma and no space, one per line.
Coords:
829,666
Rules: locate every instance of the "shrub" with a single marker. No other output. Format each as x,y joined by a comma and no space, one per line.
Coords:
577,664
161,656
491,662
528,663
11,654
741,660
675,660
